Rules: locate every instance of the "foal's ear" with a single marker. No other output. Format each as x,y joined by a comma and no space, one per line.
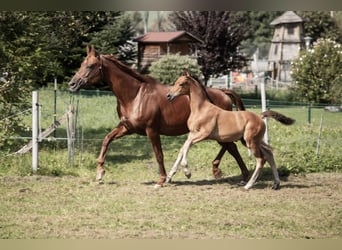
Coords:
186,72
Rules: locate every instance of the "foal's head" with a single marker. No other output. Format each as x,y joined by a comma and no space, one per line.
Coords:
89,73
181,86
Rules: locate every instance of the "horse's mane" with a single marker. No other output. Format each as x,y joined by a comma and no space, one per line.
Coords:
128,70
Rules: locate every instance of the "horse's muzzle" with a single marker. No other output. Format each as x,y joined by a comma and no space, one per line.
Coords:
75,85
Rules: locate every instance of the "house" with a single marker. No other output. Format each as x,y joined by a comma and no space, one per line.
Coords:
153,45
286,44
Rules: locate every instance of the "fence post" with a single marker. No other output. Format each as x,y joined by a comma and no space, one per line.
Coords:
71,133
309,113
264,108
35,136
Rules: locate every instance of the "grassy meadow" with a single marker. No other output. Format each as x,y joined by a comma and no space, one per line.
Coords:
63,201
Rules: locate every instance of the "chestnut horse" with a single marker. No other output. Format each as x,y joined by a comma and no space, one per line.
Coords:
207,121
143,108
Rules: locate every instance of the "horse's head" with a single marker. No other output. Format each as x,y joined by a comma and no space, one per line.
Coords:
180,87
89,73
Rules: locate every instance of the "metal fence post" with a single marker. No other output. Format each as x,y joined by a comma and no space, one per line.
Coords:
35,136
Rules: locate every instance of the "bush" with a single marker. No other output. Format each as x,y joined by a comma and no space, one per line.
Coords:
168,68
318,73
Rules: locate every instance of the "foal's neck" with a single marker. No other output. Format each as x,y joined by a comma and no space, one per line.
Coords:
197,95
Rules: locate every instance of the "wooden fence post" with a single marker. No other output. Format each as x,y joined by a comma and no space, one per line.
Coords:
71,133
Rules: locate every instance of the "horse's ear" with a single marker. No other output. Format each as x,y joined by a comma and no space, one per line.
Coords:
88,49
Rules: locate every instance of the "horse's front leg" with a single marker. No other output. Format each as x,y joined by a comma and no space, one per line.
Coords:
154,137
116,133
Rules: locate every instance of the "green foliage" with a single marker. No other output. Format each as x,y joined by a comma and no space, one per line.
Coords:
168,68
320,24
318,73
115,38
261,37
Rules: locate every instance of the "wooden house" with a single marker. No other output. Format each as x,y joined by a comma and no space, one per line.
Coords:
286,43
153,45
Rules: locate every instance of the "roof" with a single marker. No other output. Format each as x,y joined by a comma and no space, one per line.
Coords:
287,17
166,37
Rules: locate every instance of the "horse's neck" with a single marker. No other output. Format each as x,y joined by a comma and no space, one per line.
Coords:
197,97
123,86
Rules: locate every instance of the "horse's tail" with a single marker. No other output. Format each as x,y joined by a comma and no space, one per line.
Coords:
277,116
235,98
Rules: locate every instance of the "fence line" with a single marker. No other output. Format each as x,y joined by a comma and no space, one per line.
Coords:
79,128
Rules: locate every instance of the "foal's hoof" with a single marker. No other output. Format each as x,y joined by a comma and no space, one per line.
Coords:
242,183
276,186
157,186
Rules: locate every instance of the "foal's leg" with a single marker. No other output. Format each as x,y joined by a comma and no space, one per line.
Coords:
175,165
267,152
116,133
259,164
184,161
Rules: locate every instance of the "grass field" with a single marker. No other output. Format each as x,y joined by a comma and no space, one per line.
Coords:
64,201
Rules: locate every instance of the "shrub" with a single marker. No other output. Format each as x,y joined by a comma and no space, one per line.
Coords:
168,68
318,73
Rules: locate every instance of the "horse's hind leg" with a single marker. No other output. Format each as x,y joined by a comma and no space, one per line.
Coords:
233,150
216,162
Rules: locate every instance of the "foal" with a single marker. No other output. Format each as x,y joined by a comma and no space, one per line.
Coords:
207,121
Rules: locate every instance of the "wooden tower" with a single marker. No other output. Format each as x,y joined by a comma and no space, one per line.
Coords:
286,44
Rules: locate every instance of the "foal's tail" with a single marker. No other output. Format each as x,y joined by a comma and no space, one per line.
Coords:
235,98
277,116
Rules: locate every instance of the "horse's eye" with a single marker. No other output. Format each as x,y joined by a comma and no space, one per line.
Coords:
91,66
181,85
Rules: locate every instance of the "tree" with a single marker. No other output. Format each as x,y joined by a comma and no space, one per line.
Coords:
116,38
320,24
221,33
260,38
168,68
318,73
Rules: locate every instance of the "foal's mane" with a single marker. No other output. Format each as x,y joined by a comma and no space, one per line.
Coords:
128,70
202,86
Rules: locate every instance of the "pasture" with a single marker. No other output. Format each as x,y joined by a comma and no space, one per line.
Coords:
64,202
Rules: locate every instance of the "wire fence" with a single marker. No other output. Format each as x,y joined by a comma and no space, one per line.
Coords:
95,116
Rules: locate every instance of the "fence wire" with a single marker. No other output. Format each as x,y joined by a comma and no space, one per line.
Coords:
96,116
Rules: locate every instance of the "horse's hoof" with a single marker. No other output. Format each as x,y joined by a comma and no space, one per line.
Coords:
217,174
188,175
276,186
247,187
100,174
168,180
